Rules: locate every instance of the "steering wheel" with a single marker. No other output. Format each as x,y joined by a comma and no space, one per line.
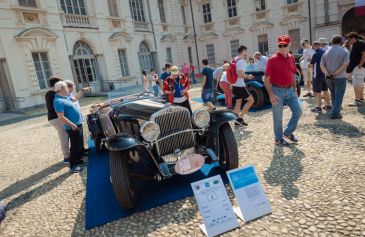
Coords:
146,94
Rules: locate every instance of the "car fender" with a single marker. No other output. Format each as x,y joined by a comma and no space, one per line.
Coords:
217,119
121,142
254,84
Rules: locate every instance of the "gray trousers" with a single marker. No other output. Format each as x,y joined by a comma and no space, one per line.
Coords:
63,136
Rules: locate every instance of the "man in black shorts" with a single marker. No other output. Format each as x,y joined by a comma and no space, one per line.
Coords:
319,79
239,89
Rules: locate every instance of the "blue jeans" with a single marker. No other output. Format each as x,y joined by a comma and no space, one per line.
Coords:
289,97
156,90
337,87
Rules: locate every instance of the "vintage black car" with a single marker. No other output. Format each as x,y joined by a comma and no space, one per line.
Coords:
150,139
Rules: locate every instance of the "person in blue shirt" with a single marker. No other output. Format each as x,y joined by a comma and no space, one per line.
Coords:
70,115
208,85
319,79
166,73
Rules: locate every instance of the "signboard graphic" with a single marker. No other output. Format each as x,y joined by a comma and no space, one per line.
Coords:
249,193
214,206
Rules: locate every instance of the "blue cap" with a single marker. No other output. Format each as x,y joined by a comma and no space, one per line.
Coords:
2,212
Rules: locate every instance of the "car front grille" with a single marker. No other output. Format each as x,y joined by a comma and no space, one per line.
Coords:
175,124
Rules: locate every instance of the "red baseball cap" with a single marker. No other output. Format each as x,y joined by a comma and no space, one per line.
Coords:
283,39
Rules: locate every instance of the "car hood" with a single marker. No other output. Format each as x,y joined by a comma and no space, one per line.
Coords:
141,108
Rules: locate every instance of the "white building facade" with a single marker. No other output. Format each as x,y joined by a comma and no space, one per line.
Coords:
105,44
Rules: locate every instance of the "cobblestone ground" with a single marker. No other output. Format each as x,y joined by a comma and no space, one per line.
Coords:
316,188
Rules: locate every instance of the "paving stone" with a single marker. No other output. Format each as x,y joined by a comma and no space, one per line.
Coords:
312,193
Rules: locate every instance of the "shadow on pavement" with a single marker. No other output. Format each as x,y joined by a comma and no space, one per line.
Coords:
37,192
30,181
340,127
284,170
20,119
361,110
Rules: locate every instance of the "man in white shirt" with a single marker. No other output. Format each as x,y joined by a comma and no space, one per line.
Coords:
262,61
308,53
239,89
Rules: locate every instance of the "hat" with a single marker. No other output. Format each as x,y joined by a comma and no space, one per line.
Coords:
323,41
174,70
353,35
283,39
2,212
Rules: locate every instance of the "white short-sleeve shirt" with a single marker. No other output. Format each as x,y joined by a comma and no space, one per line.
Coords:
307,56
240,65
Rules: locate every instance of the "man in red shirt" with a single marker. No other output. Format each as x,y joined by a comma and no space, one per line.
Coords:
280,84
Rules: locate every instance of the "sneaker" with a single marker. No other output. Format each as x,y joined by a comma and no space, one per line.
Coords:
281,142
309,94
327,107
292,138
356,103
316,109
76,169
240,123
66,161
83,163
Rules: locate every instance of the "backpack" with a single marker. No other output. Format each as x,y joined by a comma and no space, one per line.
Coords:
232,72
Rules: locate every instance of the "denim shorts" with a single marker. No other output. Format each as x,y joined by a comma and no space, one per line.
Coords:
207,95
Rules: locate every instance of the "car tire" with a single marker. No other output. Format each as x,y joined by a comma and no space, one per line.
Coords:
258,96
228,150
123,186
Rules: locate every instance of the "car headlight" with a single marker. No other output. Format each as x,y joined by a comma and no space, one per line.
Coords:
150,131
201,118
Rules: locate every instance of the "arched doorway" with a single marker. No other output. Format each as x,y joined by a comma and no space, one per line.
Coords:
85,64
351,22
145,57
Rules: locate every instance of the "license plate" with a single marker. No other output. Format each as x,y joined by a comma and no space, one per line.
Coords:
189,164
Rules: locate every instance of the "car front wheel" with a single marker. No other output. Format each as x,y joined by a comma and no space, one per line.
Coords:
228,151
122,182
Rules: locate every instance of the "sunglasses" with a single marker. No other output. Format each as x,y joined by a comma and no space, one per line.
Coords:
282,45
70,86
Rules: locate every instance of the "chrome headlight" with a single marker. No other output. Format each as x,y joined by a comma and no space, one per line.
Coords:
150,131
201,118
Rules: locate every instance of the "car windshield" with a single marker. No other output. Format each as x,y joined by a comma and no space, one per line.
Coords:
116,98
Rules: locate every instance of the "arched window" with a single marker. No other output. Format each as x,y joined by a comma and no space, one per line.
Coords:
145,57
85,64
82,49
73,7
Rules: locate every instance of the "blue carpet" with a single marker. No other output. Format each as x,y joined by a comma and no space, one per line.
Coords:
102,206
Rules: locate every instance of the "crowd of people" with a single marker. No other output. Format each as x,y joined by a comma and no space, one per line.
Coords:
325,69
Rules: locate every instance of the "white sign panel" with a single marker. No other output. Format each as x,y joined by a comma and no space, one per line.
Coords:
249,193
214,206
